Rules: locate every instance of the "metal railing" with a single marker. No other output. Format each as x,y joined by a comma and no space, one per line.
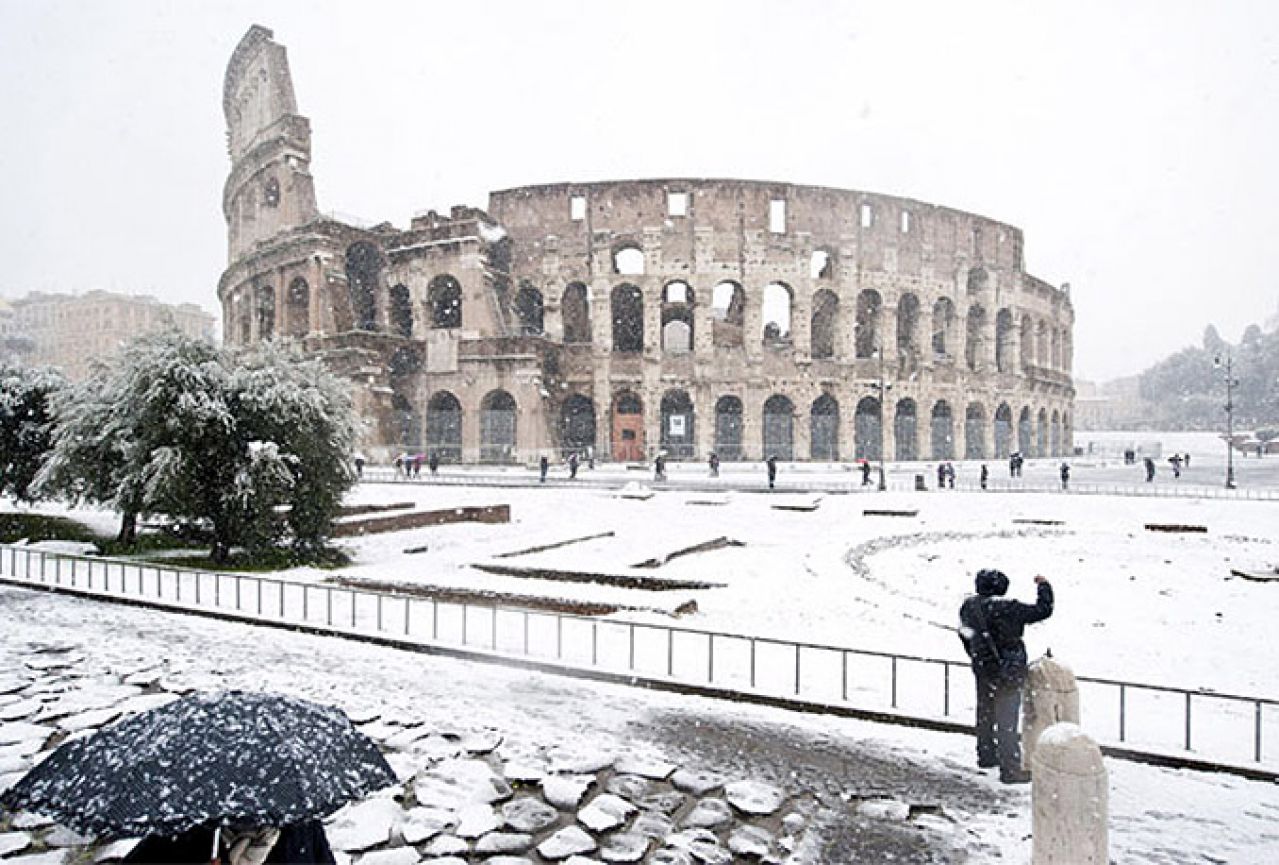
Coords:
1197,726
698,481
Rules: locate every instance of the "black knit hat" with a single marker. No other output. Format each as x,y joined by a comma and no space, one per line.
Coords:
991,582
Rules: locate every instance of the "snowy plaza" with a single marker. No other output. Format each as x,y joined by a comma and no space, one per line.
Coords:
811,563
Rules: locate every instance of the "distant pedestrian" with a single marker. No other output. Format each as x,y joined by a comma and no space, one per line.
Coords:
1065,476
1012,466
416,464
991,629
771,463
1150,469
659,466
543,466
399,465
865,465
985,475
572,465
590,457
1186,457
359,465
433,462
950,474
713,462
941,476
1175,460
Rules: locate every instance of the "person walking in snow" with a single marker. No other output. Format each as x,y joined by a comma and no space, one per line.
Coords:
572,465
433,462
865,466
771,463
543,465
713,462
1065,476
941,476
991,628
1175,459
359,465
985,475
1150,469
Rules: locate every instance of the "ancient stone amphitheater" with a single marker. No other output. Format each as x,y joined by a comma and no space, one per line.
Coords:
741,317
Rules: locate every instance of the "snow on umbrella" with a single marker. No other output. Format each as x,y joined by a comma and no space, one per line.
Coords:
263,759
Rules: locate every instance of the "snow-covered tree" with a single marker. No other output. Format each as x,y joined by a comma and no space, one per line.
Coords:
252,448
26,425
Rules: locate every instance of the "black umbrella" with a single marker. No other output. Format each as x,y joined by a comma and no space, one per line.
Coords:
263,759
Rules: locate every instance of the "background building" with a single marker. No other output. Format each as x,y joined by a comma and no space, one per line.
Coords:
70,331
691,315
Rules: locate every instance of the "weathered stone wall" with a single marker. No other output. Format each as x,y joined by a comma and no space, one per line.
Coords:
598,315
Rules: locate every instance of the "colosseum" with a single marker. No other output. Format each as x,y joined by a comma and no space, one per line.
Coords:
741,317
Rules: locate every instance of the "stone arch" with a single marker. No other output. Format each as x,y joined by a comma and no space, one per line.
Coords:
576,311
528,310
1004,341
906,429
975,432
975,338
243,313
498,414
628,259
978,280
728,315
407,423
264,309
1025,432
627,304
908,333
866,335
677,434
677,317
1055,434
444,297
942,429
577,423
363,277
1027,342
778,434
824,429
943,328
444,426
825,324
1041,440
868,432
778,305
401,310
297,303
728,428
1003,431
628,427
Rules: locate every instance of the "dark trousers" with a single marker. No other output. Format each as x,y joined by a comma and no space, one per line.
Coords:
998,711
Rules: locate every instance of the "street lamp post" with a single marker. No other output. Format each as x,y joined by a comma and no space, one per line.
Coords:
1230,418
882,388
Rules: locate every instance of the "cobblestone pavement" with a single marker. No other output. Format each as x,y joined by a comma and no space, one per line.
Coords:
496,765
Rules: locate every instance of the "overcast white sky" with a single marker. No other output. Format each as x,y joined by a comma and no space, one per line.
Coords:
1134,142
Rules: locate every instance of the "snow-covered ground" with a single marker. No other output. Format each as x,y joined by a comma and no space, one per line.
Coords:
1157,816
1131,604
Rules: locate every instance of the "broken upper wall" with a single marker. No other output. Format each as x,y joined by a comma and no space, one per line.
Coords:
733,227
269,189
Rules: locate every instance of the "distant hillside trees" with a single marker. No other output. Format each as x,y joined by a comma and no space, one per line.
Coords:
1187,390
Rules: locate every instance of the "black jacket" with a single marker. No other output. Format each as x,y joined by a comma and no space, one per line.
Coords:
1006,620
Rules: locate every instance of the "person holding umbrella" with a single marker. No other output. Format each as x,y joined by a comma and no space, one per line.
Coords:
248,772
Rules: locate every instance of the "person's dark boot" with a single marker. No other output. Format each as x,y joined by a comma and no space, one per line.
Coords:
1014,776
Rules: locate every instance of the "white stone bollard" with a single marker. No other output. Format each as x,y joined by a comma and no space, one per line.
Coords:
1051,696
1070,799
